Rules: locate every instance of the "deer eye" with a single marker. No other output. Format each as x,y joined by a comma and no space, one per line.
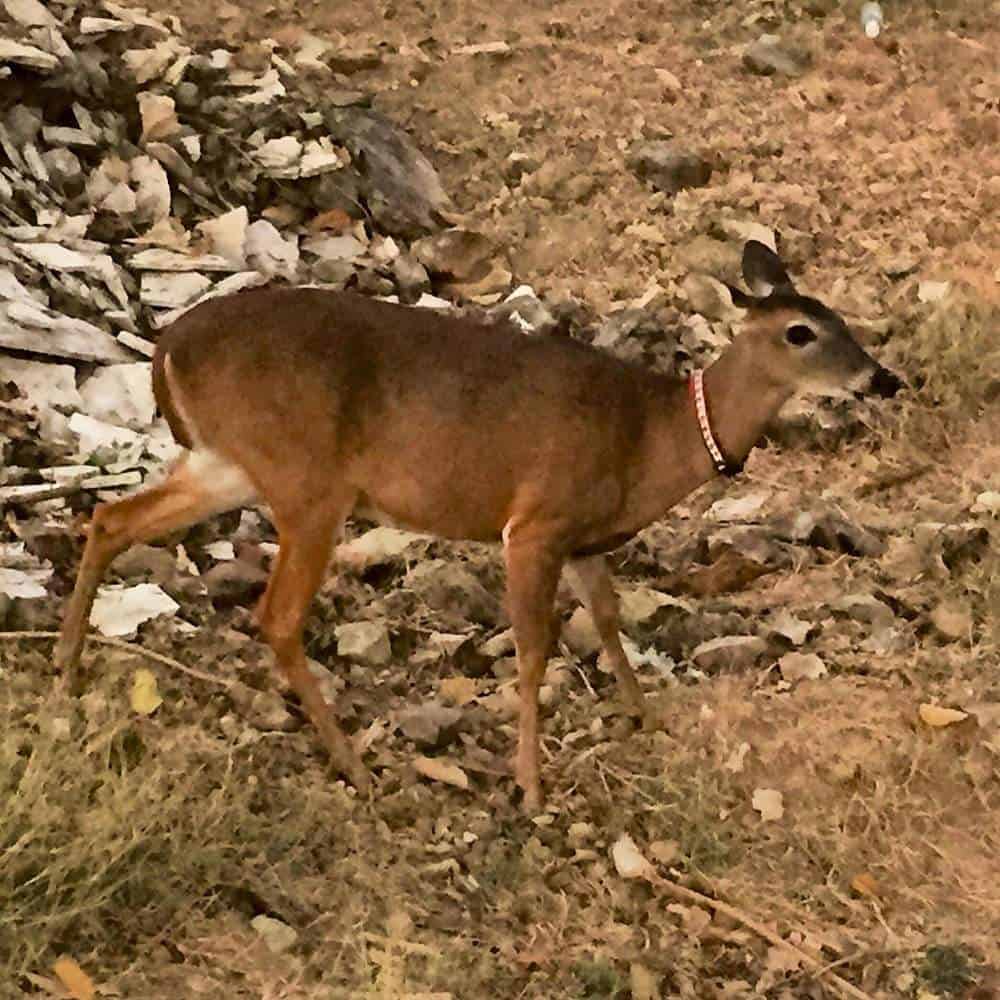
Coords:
799,335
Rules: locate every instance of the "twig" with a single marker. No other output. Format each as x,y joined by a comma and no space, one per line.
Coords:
130,647
893,479
818,968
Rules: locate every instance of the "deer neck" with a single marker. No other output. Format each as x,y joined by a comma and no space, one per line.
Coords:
741,401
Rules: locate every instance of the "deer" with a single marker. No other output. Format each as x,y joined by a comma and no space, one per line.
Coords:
323,405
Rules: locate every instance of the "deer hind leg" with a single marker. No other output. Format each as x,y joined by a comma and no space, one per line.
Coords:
533,568
592,582
199,485
306,540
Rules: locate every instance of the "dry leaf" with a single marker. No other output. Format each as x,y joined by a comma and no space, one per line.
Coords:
628,860
936,716
76,981
458,690
865,885
769,803
801,666
145,697
694,919
645,983
734,762
438,769
952,619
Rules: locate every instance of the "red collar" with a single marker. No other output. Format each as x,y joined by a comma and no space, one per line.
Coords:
696,390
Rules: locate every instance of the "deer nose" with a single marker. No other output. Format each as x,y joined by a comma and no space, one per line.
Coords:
884,383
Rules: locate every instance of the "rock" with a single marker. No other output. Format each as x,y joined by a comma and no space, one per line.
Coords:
234,583
411,277
560,180
457,254
498,645
517,166
431,725
148,562
667,166
353,60
452,588
526,311
170,291
729,652
63,167
399,184
830,530
364,641
278,936
378,547
581,635
706,255
485,288
264,710
769,56
801,666
866,608
708,296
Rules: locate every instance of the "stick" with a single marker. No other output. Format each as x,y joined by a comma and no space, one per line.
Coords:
819,970
130,647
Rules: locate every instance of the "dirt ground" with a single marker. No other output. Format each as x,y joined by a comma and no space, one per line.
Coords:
880,169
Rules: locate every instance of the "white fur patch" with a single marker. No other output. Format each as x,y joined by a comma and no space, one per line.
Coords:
220,477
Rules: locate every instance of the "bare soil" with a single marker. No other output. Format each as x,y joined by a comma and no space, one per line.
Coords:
168,834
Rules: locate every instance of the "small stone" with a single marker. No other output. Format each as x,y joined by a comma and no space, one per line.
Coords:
278,936
459,254
581,634
411,276
769,56
667,166
708,296
364,641
353,60
729,652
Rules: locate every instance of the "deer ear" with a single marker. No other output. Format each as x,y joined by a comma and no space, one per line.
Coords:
763,270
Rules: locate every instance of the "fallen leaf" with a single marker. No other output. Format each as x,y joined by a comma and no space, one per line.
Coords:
730,573
629,862
801,666
694,919
145,697
735,760
952,619
769,803
76,981
987,503
745,508
936,716
865,885
439,769
785,624
120,610
644,983
458,690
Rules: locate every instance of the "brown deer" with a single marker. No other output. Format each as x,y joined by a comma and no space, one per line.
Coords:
322,404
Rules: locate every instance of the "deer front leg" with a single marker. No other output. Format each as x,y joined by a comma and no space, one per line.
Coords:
591,580
533,567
